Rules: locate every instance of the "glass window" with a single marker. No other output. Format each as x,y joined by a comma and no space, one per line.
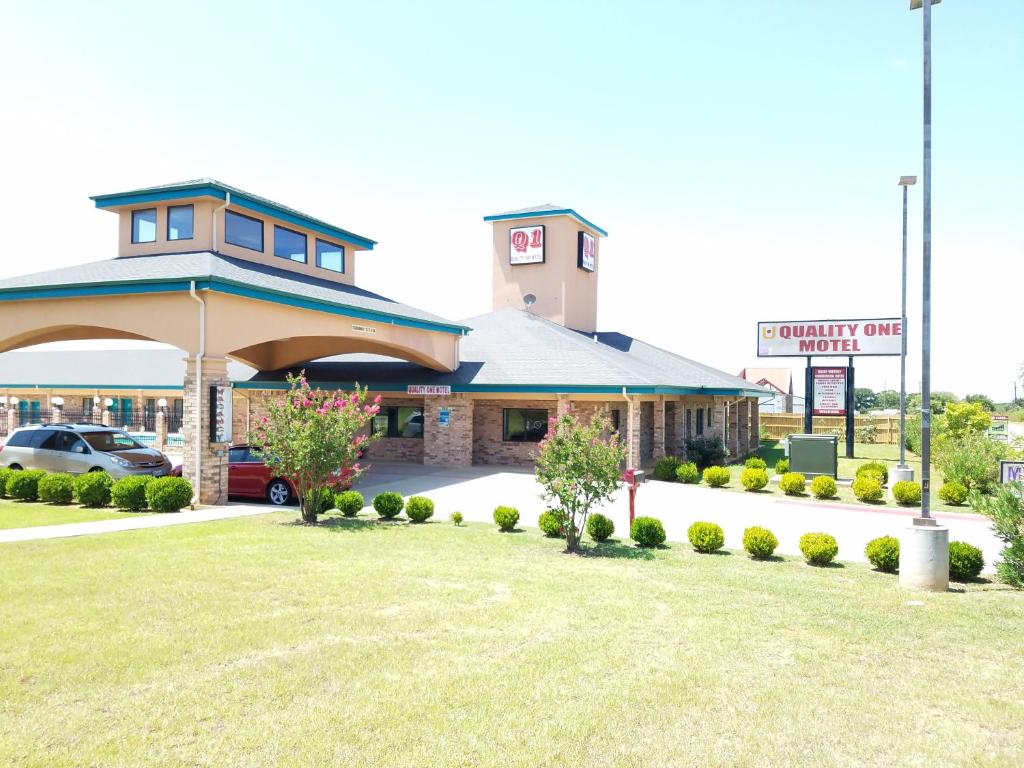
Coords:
243,231
237,455
20,439
700,421
109,441
330,256
144,226
179,222
689,422
289,244
524,425
46,440
614,415
399,421
709,417
71,443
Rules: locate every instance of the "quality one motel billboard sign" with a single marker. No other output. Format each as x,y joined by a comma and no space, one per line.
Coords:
846,338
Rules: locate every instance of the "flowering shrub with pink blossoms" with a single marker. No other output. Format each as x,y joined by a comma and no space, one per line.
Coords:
311,436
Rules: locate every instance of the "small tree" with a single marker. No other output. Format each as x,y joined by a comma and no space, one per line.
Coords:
310,435
578,467
1006,511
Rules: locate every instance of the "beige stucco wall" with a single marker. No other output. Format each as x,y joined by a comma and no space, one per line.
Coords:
565,293
202,239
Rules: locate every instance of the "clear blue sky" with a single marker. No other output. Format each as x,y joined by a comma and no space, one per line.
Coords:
742,155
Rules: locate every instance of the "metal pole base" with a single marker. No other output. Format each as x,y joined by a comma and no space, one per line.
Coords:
924,556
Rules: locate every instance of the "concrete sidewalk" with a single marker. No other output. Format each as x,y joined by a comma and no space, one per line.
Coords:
133,524
476,491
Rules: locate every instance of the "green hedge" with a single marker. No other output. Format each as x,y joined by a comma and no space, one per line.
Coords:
600,527
419,509
23,484
506,518
93,489
819,548
130,492
884,553
168,494
349,503
388,504
706,537
58,488
759,542
647,532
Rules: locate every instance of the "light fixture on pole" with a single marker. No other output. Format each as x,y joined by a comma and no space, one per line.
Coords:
162,402
57,401
903,471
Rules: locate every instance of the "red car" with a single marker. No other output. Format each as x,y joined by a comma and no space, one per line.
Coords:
250,478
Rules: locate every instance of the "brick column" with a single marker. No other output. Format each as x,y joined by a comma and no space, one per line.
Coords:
105,417
659,427
678,446
448,437
563,406
97,412
56,414
12,419
743,435
734,430
213,458
161,429
755,425
718,420
632,434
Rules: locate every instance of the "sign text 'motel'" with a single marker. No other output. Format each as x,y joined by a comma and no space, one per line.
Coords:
830,337
428,389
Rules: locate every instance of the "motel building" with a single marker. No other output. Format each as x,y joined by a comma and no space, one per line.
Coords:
248,290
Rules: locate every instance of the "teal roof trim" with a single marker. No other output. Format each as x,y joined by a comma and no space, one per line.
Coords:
570,389
542,214
175,387
238,198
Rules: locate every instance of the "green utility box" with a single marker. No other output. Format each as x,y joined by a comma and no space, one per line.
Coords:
813,455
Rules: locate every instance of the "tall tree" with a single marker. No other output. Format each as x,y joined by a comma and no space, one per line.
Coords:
984,401
864,399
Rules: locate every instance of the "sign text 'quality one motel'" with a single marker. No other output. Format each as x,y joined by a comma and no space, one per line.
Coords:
830,337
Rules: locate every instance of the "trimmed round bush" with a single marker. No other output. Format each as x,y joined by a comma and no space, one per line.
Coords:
600,527
688,473
665,468
754,478
457,518
716,477
58,488
419,509
818,548
93,489
907,492
647,532
349,503
781,466
388,504
130,492
823,487
759,542
168,494
884,553
5,473
706,537
965,561
23,484
867,487
550,523
323,498
793,483
506,518
875,467
954,494
755,463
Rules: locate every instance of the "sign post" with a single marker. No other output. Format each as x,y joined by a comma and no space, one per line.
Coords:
809,399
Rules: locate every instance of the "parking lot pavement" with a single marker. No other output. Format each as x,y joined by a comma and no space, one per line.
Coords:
476,491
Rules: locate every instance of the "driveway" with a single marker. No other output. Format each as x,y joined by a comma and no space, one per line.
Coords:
476,491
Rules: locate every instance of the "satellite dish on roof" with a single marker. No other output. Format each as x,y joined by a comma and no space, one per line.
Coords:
529,300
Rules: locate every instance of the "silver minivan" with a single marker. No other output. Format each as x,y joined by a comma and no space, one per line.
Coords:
78,448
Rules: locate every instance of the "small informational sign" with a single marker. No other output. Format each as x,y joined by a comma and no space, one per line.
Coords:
364,329
444,417
829,391
428,389
1000,429
586,252
841,338
526,245
1011,472
220,414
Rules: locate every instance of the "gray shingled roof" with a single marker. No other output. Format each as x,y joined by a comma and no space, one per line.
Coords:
511,347
101,368
178,267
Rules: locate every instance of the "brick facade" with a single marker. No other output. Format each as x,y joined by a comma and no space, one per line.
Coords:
213,465
452,445
755,425
658,428
488,422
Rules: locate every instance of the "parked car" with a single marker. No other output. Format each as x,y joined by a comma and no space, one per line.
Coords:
249,477
79,448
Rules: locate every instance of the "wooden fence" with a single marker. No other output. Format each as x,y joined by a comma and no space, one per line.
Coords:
775,426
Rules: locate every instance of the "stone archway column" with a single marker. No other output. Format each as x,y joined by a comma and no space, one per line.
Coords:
212,470
743,436
448,431
659,427
633,433
734,430
755,424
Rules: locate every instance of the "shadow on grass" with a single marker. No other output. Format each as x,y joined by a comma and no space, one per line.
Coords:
613,548
825,566
769,559
347,524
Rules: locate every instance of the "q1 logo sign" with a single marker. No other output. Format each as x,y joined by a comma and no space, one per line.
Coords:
586,252
830,338
526,245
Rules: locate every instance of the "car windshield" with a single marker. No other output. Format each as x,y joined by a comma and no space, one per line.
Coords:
110,441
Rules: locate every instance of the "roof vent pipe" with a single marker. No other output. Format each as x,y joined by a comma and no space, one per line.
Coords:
218,209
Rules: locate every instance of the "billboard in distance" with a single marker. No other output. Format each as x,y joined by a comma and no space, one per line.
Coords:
838,338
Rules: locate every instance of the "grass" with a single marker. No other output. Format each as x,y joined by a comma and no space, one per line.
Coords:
771,451
27,514
257,642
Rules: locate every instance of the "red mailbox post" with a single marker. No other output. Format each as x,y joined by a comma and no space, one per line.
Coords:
633,478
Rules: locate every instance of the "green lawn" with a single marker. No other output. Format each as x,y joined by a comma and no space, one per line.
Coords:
24,514
254,642
771,452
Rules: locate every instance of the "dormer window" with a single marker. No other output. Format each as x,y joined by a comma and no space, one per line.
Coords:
289,244
144,226
330,256
179,222
243,231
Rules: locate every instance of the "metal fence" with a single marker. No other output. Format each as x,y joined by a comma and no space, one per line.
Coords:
140,424
886,429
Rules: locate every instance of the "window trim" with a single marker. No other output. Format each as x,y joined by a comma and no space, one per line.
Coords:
316,254
176,239
504,424
263,233
155,227
305,245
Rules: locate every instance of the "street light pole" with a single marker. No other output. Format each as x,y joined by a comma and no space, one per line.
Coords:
905,181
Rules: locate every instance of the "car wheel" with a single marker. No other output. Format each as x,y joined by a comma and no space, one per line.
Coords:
15,467
278,492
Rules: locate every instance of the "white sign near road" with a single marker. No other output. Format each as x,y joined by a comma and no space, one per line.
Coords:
835,338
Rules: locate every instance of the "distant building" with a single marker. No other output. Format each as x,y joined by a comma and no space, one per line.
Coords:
779,381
